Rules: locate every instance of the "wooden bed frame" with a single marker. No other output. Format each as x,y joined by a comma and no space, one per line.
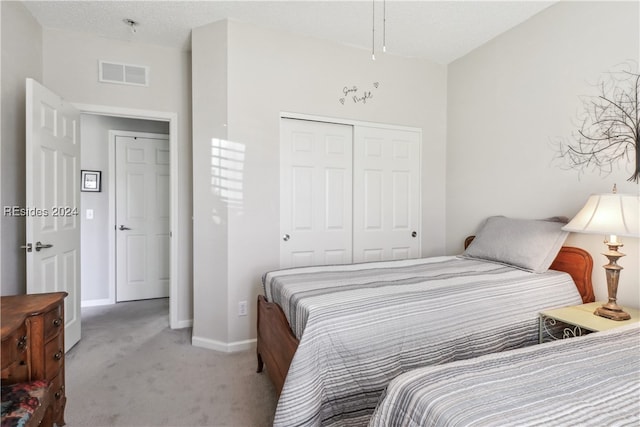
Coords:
277,343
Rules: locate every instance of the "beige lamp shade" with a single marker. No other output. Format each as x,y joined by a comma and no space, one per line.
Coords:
614,214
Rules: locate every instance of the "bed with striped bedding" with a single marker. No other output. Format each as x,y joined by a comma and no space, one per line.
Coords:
361,325
587,381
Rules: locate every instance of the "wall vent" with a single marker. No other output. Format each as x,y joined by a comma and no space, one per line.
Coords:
126,74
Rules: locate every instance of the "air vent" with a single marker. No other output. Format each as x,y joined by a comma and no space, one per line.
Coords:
126,74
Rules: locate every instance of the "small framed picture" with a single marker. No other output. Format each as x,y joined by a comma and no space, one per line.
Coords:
90,180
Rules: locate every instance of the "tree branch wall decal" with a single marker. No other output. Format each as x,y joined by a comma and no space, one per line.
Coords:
609,127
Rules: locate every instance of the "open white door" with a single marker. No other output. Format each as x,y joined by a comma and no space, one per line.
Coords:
53,201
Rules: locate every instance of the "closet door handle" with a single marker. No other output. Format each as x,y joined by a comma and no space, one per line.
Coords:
286,237
414,234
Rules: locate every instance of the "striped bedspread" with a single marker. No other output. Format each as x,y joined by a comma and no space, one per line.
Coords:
587,381
361,325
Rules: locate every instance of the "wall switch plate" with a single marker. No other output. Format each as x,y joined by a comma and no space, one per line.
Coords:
242,308
89,213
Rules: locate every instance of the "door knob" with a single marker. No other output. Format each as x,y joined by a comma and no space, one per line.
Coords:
28,247
123,228
286,237
414,234
40,245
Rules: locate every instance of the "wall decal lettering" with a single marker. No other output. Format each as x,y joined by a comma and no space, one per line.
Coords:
354,94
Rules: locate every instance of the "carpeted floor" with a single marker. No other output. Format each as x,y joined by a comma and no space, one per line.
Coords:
130,369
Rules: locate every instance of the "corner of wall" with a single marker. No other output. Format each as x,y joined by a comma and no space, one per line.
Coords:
210,214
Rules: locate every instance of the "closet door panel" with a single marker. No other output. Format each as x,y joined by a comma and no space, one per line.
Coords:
401,217
302,189
336,207
373,199
386,209
316,192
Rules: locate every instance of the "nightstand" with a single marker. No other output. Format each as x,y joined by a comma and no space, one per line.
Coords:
578,320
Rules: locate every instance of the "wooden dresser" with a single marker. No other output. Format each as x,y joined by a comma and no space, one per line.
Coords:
33,346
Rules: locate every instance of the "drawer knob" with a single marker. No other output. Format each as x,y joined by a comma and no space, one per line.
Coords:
58,394
58,355
22,342
57,322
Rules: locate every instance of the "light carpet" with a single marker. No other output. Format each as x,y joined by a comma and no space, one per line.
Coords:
130,369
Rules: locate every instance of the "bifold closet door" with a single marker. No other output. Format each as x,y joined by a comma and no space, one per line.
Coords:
386,194
315,193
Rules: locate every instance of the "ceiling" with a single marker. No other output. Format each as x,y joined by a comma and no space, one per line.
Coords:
441,31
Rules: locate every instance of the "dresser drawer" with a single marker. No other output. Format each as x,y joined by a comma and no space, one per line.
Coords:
17,372
14,347
53,322
15,366
54,356
58,398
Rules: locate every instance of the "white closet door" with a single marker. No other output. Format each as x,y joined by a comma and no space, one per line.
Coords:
315,193
142,218
386,176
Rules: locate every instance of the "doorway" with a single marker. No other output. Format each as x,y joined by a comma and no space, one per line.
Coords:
103,261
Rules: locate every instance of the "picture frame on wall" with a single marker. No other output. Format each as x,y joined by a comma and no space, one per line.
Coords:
90,180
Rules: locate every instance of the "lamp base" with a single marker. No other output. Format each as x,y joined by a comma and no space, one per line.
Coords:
611,310
613,314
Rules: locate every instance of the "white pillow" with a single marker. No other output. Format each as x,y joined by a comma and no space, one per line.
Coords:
527,244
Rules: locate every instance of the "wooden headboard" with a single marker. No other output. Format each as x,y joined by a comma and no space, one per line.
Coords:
575,261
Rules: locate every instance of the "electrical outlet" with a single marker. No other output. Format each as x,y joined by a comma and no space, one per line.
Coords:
242,308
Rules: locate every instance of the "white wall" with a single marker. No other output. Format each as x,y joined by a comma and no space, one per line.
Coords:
210,240
21,58
71,70
95,232
510,98
270,72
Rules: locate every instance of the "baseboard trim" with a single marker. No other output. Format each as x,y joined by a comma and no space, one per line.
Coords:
180,324
224,347
96,302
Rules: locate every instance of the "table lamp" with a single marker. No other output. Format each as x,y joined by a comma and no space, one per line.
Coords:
613,215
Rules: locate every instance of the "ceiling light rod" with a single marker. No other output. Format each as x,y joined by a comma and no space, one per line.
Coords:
131,23
384,25
373,30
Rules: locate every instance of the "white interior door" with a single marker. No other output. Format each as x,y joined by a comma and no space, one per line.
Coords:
316,193
53,196
386,176
142,217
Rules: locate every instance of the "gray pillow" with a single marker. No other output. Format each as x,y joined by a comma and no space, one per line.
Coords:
527,244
